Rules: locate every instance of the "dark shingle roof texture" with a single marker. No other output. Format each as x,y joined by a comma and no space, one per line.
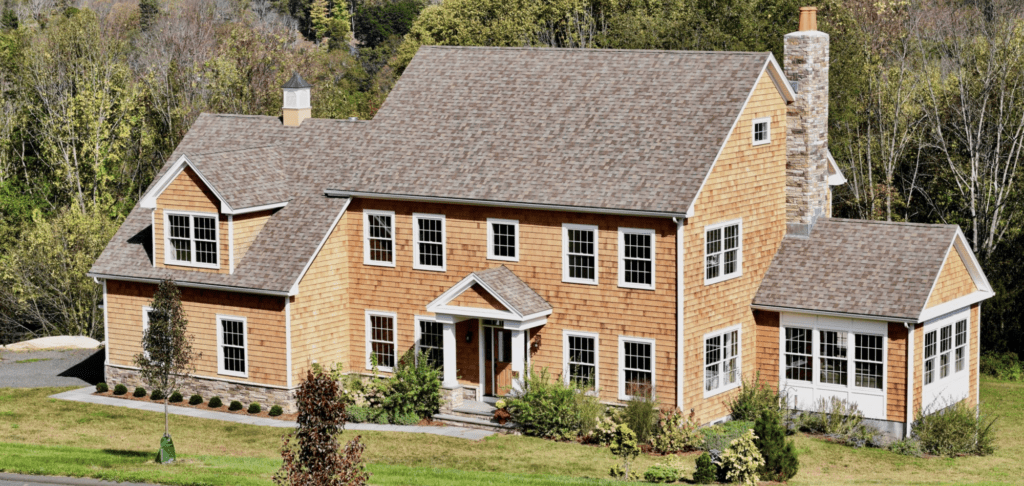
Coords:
245,178
508,286
871,268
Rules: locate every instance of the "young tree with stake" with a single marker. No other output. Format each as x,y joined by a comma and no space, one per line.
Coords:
167,357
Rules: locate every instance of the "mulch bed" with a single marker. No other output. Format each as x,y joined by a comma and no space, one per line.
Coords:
265,412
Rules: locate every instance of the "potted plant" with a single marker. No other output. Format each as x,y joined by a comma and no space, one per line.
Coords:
501,413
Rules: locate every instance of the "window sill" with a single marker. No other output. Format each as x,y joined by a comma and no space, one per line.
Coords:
763,142
723,278
624,285
627,398
379,264
385,369
503,259
206,266
234,374
721,390
581,282
429,269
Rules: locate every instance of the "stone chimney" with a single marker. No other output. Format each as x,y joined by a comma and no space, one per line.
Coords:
296,106
806,66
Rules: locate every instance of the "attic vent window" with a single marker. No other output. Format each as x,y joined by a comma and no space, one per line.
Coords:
762,131
191,240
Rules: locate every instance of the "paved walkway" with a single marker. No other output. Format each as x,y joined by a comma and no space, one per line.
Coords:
8,479
85,395
32,369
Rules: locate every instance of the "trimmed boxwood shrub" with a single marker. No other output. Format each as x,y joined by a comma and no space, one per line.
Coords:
707,471
255,407
176,397
156,395
357,414
235,405
406,419
195,400
215,402
101,388
139,392
276,410
120,390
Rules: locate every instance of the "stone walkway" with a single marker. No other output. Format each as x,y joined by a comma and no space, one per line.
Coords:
8,479
85,395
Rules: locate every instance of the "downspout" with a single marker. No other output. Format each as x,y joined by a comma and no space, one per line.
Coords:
288,338
910,378
680,338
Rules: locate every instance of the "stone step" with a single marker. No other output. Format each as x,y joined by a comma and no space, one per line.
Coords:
475,422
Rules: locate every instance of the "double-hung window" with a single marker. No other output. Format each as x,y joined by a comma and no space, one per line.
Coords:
823,357
961,345
191,239
380,340
636,258
929,358
428,242
723,251
833,357
232,346
580,356
761,130
379,238
503,239
721,361
945,351
431,341
799,354
579,253
636,367
868,361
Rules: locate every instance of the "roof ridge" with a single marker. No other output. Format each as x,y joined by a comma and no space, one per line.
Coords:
891,223
594,49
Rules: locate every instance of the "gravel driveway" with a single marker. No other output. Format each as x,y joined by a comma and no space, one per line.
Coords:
33,369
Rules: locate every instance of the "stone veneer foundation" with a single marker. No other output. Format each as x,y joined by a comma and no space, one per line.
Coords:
207,388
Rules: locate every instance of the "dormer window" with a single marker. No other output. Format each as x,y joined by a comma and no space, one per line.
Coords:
762,131
191,239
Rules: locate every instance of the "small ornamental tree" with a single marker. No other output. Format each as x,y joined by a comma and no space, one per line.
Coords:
625,446
780,462
317,461
167,358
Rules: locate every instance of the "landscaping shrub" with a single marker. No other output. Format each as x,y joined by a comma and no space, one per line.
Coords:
139,392
176,397
546,407
120,390
756,397
661,473
414,388
955,430
357,414
907,447
235,405
742,460
195,400
276,411
719,437
626,447
676,433
841,421
780,462
156,395
642,416
101,388
707,471
588,410
380,417
1003,366
406,419
214,402
254,408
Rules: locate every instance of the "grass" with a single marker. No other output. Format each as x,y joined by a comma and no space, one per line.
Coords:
75,439
32,360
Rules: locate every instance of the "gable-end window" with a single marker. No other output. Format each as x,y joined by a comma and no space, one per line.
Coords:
723,251
191,239
579,351
721,361
636,367
232,346
428,242
579,253
503,239
380,340
430,340
762,131
945,351
636,258
379,238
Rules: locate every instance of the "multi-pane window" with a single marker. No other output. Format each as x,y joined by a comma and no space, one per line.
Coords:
945,344
431,342
799,354
929,358
379,245
868,362
961,345
232,347
761,131
722,252
381,340
502,239
428,233
833,357
945,351
721,361
637,369
580,258
636,258
581,359
192,239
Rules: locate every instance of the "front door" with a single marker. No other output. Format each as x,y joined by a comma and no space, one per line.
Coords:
497,360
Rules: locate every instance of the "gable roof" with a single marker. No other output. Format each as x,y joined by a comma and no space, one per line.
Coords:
874,269
521,301
575,128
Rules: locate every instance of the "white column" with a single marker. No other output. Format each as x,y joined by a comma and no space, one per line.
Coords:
518,358
450,379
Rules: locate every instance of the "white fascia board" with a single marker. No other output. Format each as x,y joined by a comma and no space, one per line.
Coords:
959,303
779,78
836,178
525,324
295,286
963,250
440,304
148,200
452,292
254,209
472,312
971,261
193,285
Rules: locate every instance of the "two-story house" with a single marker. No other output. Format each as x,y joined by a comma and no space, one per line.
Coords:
641,221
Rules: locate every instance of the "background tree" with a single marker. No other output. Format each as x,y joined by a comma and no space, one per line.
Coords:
148,12
780,461
381,21
167,358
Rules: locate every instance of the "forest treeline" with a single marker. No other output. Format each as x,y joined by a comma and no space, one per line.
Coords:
926,108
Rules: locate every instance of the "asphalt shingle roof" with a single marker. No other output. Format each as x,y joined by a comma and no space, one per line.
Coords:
245,178
872,268
510,288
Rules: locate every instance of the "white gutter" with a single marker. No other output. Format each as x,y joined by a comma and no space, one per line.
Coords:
193,285
680,336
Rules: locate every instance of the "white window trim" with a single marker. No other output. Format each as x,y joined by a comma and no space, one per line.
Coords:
936,327
366,238
721,262
394,337
416,265
220,346
739,360
768,132
597,355
565,253
622,258
169,248
490,239
851,358
622,366
419,333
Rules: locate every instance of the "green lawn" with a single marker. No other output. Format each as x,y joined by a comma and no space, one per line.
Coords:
40,435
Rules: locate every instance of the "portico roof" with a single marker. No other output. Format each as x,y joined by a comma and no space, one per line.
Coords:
501,295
